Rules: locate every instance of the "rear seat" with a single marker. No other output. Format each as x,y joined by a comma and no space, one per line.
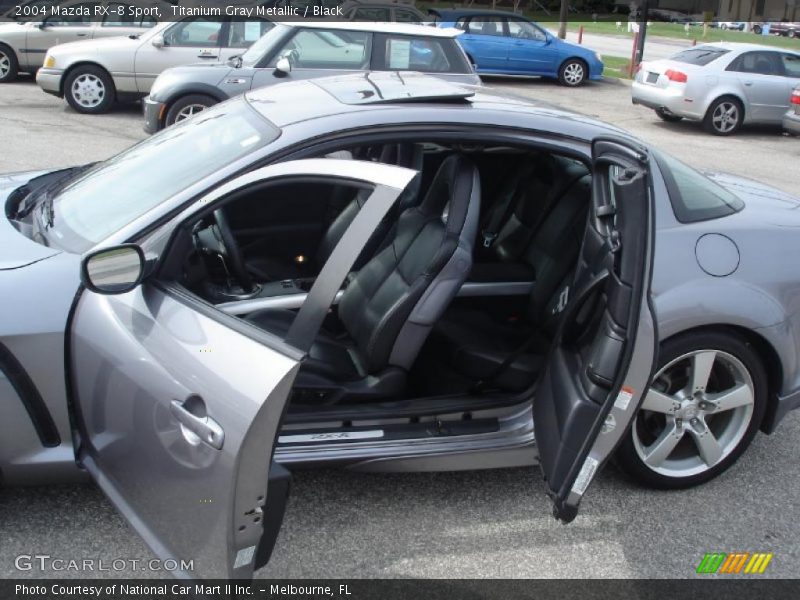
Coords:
475,342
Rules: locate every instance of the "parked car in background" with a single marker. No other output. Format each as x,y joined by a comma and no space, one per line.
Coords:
724,85
729,25
504,43
785,28
23,45
357,10
791,120
307,50
93,75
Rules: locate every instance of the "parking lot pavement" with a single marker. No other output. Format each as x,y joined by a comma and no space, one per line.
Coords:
469,524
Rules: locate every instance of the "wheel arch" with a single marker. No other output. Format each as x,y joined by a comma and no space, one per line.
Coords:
766,352
196,88
728,94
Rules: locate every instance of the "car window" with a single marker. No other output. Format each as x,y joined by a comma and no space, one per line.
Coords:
759,63
242,34
77,20
406,16
196,32
118,17
699,56
485,26
791,65
462,23
694,196
125,187
416,54
524,30
326,49
371,13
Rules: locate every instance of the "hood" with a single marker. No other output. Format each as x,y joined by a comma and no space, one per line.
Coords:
18,250
99,45
769,204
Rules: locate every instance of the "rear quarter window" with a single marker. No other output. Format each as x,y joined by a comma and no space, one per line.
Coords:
699,56
694,197
425,54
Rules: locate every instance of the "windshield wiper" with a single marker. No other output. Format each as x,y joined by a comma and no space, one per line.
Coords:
31,199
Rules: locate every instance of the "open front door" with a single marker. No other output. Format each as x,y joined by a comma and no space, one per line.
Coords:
177,406
603,354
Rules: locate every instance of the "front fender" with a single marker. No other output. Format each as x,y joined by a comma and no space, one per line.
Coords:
170,94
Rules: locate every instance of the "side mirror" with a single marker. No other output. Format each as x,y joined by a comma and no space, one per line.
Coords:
283,66
158,41
115,270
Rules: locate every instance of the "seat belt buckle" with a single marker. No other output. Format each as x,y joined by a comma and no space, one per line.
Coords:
488,239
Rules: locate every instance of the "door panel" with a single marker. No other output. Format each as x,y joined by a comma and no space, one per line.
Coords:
177,406
483,40
529,51
761,75
603,353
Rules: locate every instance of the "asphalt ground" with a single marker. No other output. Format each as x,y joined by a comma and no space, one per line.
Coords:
465,524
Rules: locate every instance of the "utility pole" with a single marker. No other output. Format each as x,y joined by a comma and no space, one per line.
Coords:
643,15
562,19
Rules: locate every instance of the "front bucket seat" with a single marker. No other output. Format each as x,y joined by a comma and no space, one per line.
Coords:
393,301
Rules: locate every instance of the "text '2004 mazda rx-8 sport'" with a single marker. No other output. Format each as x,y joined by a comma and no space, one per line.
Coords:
389,272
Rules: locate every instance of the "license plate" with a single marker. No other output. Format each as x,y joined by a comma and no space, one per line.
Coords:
652,77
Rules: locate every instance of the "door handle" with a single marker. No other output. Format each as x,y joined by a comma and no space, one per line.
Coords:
748,83
82,34
207,54
191,414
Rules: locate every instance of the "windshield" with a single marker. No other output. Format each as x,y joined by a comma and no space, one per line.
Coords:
118,191
256,52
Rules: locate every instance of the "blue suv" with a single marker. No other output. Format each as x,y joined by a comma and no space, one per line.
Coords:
504,43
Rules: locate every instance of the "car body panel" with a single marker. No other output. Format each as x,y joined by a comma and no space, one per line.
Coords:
765,98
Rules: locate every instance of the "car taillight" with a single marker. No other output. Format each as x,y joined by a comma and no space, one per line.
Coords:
796,97
676,76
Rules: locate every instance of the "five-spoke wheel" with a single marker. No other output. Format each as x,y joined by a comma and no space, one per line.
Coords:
702,409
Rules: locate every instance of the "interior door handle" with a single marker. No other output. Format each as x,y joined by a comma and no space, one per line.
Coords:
191,414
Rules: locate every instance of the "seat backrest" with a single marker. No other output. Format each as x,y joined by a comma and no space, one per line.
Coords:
402,155
554,249
391,304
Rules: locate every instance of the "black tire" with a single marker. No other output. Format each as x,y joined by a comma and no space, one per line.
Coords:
9,67
757,29
174,114
90,90
724,128
627,456
667,117
573,72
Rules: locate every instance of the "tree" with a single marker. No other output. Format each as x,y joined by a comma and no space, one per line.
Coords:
562,19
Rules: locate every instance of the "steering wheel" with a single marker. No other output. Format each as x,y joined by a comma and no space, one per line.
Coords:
233,253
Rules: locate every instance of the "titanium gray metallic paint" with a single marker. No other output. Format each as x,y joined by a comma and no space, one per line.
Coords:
765,303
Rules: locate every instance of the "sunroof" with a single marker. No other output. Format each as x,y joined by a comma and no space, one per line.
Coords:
392,87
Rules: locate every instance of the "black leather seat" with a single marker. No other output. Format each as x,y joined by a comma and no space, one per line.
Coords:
404,155
391,304
476,343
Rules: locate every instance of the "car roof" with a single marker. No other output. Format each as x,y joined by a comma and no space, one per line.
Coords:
395,28
744,47
455,13
428,100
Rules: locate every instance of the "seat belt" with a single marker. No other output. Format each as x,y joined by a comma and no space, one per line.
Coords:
610,246
490,232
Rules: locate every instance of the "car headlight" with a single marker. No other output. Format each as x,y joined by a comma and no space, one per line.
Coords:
49,62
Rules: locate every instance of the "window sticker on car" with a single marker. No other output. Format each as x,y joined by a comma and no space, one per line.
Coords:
399,54
585,476
624,398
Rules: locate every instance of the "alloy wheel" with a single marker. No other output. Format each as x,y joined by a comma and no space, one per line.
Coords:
188,111
725,117
5,65
573,73
695,414
88,90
